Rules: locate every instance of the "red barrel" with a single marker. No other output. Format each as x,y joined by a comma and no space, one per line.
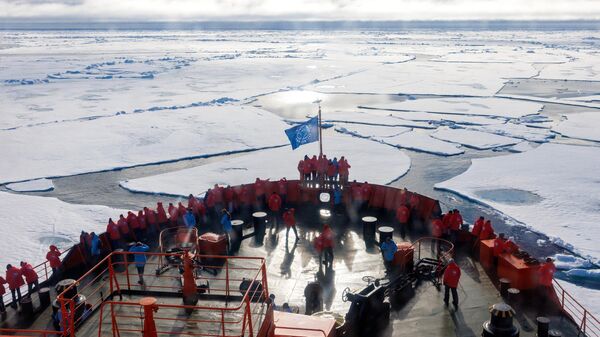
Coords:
212,244
403,259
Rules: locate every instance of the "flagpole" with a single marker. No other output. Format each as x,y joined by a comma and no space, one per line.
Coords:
320,133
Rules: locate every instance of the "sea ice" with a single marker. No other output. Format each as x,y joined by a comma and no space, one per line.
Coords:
566,262
583,125
37,185
563,180
128,140
370,131
422,142
37,222
363,155
473,106
474,139
422,77
373,118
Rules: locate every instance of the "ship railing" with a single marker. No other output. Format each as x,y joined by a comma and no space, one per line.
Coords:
44,272
30,332
587,323
116,276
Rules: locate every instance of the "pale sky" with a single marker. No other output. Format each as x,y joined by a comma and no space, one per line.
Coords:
257,10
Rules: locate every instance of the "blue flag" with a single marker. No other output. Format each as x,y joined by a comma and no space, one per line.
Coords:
304,133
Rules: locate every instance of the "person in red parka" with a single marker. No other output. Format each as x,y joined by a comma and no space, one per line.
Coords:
161,215
53,257
282,190
151,221
2,292
14,278
274,207
314,166
289,219
124,228
446,219
173,214
437,230
181,210
510,246
478,226
456,222
301,169
343,170
403,216
451,278
498,248
134,225
487,232
229,198
31,277
327,242
114,234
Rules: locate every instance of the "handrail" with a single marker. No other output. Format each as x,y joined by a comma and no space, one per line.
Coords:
44,273
586,322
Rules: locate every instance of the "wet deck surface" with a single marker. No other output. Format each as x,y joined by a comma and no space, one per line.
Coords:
292,265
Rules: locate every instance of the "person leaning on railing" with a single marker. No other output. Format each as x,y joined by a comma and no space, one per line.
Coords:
53,257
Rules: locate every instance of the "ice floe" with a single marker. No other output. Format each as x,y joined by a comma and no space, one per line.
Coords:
129,140
585,125
37,185
566,262
37,222
475,106
373,118
362,154
419,77
563,179
474,139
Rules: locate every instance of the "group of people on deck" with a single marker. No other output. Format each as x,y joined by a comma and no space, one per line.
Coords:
323,170
17,277
448,227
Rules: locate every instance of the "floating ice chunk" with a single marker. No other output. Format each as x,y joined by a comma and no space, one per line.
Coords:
373,118
563,176
538,135
37,185
585,68
362,154
566,262
473,139
441,118
521,147
422,142
370,131
42,221
585,274
134,139
476,106
584,126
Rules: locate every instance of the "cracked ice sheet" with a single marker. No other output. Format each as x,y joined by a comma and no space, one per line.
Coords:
37,185
472,106
422,77
564,179
509,129
129,140
373,118
28,231
473,139
274,164
439,118
505,54
370,131
417,140
586,67
199,83
585,125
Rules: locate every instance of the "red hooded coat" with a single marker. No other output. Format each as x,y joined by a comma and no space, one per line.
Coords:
452,275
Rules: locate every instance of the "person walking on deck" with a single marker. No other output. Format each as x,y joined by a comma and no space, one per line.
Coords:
274,206
403,216
140,259
14,278
388,249
289,219
450,280
227,226
31,277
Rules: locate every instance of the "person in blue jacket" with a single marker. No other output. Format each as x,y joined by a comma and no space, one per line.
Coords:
227,227
140,259
189,219
95,247
388,249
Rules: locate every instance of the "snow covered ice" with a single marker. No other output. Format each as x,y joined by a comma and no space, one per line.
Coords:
37,185
274,164
561,178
